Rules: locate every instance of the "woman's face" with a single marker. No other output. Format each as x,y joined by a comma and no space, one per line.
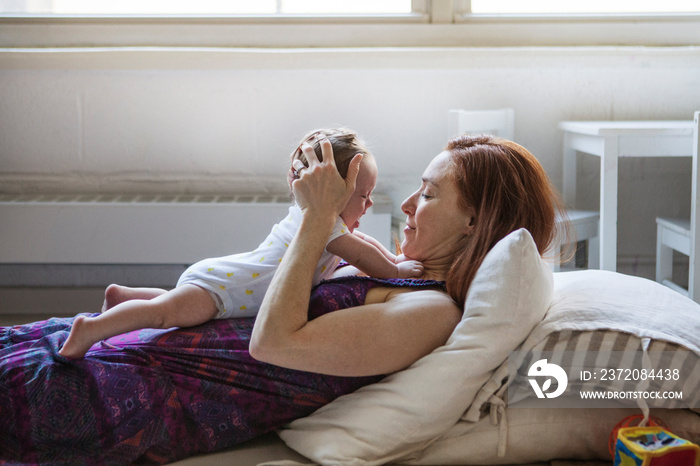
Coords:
435,225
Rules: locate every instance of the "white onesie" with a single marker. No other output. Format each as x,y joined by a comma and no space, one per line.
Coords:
238,282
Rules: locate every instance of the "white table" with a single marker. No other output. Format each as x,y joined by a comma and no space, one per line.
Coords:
610,140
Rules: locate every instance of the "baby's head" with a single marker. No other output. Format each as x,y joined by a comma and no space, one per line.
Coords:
345,145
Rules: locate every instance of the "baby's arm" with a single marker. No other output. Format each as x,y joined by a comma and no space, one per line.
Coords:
376,244
372,260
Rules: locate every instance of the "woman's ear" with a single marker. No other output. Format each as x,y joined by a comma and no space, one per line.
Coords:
470,222
469,227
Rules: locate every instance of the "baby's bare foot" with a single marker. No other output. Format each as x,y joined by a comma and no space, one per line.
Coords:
79,340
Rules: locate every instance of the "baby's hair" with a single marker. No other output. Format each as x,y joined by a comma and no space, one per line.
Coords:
345,145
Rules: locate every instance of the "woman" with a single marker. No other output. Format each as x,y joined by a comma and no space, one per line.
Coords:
157,396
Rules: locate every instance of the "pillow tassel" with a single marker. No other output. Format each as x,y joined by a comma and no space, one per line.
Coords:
498,417
646,364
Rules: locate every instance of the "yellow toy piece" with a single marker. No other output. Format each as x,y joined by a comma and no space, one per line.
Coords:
654,446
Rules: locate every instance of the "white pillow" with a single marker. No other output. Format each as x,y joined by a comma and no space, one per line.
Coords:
536,435
596,312
408,410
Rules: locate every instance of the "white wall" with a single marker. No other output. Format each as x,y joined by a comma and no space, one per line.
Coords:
224,120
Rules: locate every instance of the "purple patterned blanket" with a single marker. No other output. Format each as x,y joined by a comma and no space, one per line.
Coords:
150,396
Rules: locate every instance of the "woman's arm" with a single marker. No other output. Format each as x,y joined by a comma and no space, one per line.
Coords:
372,339
367,257
365,340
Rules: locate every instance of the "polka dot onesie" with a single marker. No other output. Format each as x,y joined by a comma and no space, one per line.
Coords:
238,282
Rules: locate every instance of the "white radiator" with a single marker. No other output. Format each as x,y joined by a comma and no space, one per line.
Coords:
141,229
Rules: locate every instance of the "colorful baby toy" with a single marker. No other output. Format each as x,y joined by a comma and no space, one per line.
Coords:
652,445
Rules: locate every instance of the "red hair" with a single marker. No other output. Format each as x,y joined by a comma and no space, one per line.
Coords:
508,189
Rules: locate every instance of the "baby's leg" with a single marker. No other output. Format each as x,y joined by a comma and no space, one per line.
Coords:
185,306
117,294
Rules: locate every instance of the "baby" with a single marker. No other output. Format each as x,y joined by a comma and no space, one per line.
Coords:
234,286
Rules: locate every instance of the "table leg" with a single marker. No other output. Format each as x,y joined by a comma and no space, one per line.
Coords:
608,204
694,272
569,172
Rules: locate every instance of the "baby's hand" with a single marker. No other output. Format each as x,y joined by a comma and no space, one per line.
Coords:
409,269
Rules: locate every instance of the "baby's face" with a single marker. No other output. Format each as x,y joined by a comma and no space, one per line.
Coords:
361,199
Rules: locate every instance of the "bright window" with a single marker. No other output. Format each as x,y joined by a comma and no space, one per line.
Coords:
584,6
337,7
347,23
209,7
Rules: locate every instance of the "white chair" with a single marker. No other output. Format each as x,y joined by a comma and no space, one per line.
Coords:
681,235
500,122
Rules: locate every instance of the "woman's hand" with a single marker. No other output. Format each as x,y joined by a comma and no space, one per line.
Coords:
320,189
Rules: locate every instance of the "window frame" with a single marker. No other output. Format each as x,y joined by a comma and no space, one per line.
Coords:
433,23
